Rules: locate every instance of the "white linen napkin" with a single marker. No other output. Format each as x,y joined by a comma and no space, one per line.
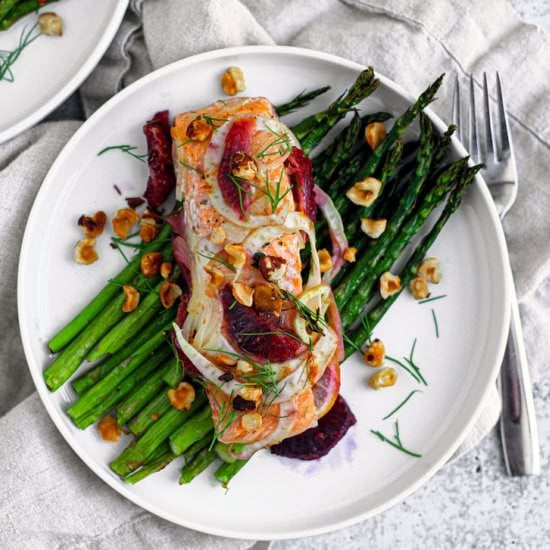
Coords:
48,498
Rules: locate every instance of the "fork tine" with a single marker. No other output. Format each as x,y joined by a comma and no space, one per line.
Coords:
456,109
489,130
502,121
474,142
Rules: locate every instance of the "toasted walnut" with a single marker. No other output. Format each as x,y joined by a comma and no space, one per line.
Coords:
51,24
325,260
365,191
237,255
383,378
244,294
217,236
243,166
226,360
390,284
267,298
244,367
109,430
373,228
182,397
150,264
217,276
375,133
374,354
350,254
131,298
251,421
272,268
199,129
149,228
124,220
419,288
233,81
169,293
84,252
429,268
93,225
165,269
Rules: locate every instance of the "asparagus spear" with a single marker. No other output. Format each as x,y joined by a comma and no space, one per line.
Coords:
192,431
123,389
227,471
387,247
150,413
107,294
408,273
301,100
89,378
154,465
102,389
141,450
314,128
174,375
399,128
198,446
197,465
143,394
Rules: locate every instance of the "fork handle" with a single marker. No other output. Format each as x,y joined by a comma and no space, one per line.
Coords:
518,427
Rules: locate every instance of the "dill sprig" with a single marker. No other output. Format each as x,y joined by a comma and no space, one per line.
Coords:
436,324
238,183
189,167
426,300
402,404
281,141
226,416
8,58
216,259
396,441
128,149
409,365
313,319
211,120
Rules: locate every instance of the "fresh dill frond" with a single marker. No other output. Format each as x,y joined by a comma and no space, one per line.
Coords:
402,404
128,149
396,441
8,58
219,260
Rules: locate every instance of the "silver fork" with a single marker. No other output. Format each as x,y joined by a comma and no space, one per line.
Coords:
489,141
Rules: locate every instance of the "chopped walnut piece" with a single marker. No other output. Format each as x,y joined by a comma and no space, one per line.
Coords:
251,421
109,430
267,298
373,228
124,220
374,354
350,254
390,284
217,276
375,133
84,252
251,393
244,367
233,81
51,24
272,268
150,264
325,260
199,129
383,378
149,227
244,294
365,191
93,225
169,293
131,298
243,166
165,269
419,288
182,397
217,236
429,268
237,255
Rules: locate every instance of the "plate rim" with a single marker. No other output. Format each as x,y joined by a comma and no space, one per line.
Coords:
56,415
77,79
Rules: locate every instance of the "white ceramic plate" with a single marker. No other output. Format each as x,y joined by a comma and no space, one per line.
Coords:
273,497
51,68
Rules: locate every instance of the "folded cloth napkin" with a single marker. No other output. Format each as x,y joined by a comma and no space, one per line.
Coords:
48,498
